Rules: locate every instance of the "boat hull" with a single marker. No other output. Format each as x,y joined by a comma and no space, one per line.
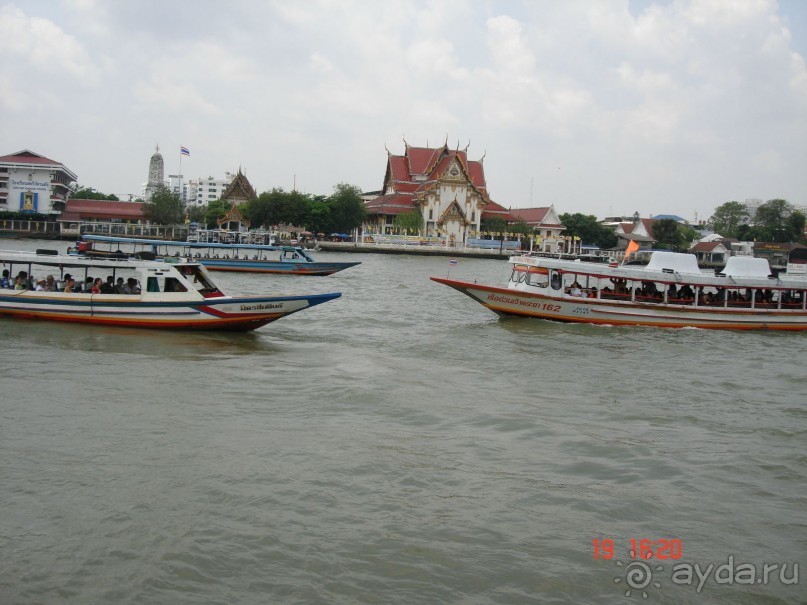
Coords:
220,313
512,302
250,266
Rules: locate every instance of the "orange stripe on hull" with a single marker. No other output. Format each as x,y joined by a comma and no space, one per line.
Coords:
649,323
244,322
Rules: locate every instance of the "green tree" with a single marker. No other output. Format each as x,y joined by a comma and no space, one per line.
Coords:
588,229
521,229
748,233
278,206
257,211
409,222
214,211
165,208
775,223
347,208
88,193
494,225
797,222
668,235
320,216
728,217
196,213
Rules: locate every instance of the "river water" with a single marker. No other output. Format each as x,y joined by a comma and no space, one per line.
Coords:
401,444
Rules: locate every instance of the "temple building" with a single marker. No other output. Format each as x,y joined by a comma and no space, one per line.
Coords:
239,190
30,182
156,175
446,188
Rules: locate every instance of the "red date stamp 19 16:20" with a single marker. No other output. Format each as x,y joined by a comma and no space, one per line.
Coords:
641,548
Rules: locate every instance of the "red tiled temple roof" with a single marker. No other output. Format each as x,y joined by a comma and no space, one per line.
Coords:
419,169
77,209
494,210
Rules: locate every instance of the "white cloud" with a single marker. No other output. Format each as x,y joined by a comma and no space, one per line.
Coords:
683,103
34,48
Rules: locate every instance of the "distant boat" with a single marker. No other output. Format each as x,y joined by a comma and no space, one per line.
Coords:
179,296
671,292
248,258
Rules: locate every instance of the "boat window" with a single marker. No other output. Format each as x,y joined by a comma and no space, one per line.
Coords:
519,274
792,299
538,276
738,297
555,280
172,284
193,273
152,285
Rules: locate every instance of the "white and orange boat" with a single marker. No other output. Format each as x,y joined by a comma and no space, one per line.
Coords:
179,295
670,291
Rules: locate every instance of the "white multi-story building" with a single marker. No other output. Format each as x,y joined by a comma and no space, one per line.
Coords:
202,191
30,182
174,182
751,205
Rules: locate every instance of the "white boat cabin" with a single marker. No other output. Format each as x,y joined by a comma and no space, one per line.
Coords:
668,279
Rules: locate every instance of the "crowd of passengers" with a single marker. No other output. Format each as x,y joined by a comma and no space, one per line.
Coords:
685,295
23,281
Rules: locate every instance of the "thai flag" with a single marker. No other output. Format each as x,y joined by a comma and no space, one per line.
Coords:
184,151
453,262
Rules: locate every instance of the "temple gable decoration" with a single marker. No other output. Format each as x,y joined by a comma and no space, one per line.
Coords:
453,214
240,190
233,220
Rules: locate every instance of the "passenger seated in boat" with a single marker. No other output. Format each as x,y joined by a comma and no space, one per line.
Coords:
40,285
70,285
575,290
686,293
108,287
20,282
96,286
672,292
119,286
592,293
131,286
4,281
50,284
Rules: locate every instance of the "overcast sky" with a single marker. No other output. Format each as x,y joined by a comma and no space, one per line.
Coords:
601,107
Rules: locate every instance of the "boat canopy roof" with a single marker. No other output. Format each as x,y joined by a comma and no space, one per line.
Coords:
53,259
161,242
673,261
747,266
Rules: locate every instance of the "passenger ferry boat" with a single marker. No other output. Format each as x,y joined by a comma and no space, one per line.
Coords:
249,258
174,295
670,291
